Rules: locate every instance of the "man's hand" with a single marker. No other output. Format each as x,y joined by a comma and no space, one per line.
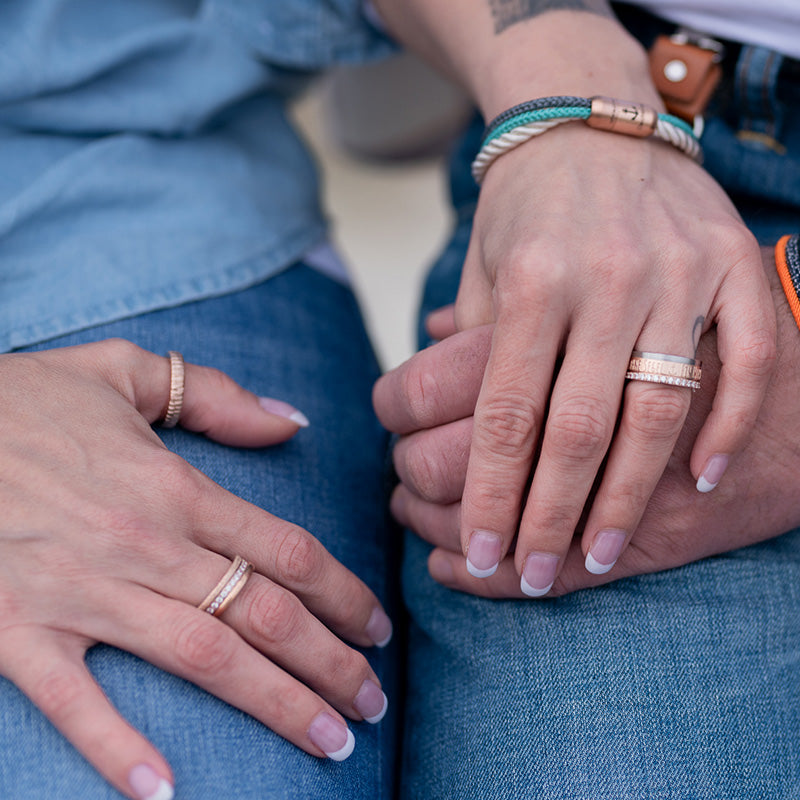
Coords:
430,400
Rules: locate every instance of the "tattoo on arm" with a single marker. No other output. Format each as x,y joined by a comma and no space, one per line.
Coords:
508,12
697,331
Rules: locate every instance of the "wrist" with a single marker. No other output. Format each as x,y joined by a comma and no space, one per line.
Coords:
563,53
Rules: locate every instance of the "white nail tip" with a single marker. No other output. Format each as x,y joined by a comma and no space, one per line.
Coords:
344,752
379,716
299,418
163,792
704,486
480,573
530,591
595,567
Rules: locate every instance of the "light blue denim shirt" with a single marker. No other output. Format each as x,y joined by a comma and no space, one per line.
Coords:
145,155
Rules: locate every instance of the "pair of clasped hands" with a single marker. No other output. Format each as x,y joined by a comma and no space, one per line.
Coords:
507,424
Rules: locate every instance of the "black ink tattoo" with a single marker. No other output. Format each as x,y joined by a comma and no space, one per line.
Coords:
508,12
697,332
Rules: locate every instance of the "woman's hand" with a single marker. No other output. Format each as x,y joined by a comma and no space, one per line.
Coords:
430,398
587,246
106,536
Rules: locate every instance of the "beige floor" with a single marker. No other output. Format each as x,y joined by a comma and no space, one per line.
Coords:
389,221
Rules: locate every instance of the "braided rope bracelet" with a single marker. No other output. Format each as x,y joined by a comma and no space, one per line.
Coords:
522,122
787,261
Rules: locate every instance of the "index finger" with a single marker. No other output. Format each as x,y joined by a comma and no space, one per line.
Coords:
437,385
292,557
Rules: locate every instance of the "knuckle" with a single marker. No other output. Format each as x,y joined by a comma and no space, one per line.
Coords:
298,557
580,427
424,472
204,647
507,425
283,703
758,353
629,496
346,667
177,478
420,389
120,351
58,694
658,413
275,614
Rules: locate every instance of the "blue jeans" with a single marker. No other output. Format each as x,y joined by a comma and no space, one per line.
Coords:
683,684
297,337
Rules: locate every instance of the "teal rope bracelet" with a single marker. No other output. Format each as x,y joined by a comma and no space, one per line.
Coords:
523,122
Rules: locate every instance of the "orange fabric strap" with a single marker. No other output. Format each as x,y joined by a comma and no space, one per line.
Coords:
787,262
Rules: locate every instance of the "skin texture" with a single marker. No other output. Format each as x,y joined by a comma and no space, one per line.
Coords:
587,245
428,400
98,519
506,13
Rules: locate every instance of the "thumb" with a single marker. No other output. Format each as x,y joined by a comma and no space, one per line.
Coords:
213,403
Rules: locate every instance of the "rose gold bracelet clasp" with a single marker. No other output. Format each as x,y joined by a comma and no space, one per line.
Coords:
620,116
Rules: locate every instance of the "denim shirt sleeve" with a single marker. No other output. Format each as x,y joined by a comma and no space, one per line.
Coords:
146,156
304,34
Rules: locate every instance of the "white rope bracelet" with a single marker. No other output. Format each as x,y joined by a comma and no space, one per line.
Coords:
511,128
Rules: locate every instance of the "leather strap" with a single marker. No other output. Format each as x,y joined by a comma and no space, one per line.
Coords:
685,76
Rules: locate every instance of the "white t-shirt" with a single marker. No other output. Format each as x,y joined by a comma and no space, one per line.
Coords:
772,23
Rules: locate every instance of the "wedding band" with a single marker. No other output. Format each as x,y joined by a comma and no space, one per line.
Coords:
230,584
664,368
176,380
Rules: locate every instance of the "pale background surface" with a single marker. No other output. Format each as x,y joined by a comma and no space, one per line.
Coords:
390,219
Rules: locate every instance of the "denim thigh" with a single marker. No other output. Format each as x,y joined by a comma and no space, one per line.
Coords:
297,337
683,684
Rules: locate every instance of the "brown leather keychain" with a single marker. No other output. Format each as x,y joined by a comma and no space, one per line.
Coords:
685,69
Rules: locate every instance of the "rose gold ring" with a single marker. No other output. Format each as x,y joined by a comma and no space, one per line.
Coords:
230,584
176,381
664,368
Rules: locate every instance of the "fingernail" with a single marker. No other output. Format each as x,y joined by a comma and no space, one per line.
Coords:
281,409
371,702
713,472
147,784
605,550
379,627
483,553
333,737
538,574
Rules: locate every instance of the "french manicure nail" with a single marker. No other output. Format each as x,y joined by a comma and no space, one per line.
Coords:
371,702
483,553
147,784
538,574
333,737
605,550
281,409
379,627
713,472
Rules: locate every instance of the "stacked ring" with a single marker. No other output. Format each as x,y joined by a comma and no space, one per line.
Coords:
230,584
176,381
664,368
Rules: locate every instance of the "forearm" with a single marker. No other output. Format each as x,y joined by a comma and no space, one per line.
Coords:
507,51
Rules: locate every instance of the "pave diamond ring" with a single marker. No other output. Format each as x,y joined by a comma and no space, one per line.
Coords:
230,584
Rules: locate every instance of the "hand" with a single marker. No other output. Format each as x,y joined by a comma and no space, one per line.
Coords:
585,247
429,400
107,536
